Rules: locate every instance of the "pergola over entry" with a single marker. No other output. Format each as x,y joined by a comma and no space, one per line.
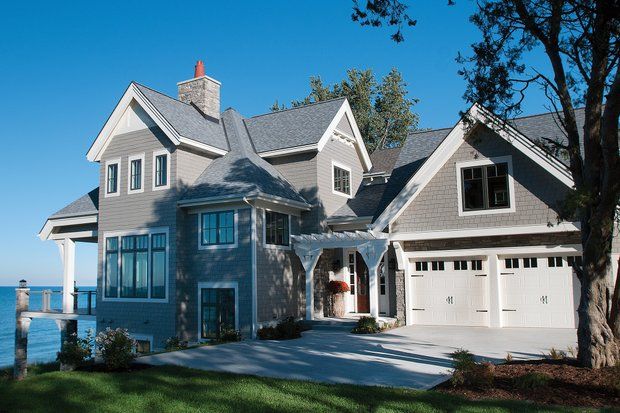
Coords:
371,247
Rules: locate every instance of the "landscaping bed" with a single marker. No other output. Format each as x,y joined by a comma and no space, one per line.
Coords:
565,384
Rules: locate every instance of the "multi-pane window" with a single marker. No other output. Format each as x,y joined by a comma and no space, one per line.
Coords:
485,187
531,262
276,228
574,261
217,228
555,262
135,177
161,170
460,265
352,273
135,266
382,279
421,266
476,265
511,263
217,307
112,179
437,265
342,180
158,266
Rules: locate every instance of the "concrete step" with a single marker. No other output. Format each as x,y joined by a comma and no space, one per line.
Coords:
331,324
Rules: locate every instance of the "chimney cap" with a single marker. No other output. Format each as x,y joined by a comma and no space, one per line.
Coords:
199,69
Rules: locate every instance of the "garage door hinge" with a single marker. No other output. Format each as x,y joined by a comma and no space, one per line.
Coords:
506,309
417,275
482,311
417,309
480,275
507,273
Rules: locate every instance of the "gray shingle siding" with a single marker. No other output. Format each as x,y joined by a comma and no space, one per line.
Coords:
537,192
132,212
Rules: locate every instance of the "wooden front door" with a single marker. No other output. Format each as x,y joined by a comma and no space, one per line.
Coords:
363,299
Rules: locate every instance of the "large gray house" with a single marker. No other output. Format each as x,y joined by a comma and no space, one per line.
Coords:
207,219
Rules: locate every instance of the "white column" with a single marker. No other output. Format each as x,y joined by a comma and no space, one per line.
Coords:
309,258
373,290
495,304
372,253
67,253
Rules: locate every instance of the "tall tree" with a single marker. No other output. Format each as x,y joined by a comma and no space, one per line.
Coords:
581,42
382,110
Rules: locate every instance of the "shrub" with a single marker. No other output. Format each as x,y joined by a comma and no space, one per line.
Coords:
337,287
532,381
75,351
229,334
572,351
509,358
468,372
174,343
555,354
116,348
366,325
286,329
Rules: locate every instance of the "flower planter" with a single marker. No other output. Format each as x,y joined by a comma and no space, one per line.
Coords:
338,305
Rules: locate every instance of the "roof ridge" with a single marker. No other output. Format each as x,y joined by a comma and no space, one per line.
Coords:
417,132
298,107
542,114
160,93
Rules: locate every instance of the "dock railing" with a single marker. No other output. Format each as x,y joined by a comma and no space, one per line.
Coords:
47,302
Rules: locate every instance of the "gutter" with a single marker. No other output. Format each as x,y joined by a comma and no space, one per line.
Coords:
253,241
241,198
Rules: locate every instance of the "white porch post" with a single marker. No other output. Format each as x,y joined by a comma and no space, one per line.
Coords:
67,254
372,252
309,258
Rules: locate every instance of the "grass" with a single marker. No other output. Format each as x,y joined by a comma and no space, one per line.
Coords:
168,388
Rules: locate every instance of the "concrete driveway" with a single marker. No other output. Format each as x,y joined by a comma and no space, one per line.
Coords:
413,356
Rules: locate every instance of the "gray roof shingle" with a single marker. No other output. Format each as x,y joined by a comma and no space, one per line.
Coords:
85,205
383,160
186,119
363,204
241,172
300,126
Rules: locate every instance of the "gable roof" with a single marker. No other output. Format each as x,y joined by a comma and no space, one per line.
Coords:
241,173
87,204
420,159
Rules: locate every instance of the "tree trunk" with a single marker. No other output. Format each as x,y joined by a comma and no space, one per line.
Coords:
614,315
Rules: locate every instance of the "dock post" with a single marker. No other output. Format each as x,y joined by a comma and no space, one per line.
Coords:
22,326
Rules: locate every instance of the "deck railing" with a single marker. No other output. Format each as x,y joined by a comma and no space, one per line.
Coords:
47,305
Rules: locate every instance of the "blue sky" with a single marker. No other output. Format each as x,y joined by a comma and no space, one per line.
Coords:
64,65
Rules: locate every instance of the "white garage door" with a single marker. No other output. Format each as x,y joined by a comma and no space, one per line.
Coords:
450,292
539,291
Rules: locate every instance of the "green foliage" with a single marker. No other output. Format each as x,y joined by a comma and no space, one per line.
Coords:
229,335
382,110
555,354
532,381
468,372
116,348
366,325
175,343
286,329
509,358
77,350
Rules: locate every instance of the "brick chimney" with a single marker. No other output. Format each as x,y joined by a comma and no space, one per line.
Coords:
202,91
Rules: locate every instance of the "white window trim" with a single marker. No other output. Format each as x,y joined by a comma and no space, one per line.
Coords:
116,161
218,246
482,162
133,158
275,246
145,231
216,284
155,155
346,168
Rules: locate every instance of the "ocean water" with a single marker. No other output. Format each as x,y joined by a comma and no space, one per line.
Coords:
44,336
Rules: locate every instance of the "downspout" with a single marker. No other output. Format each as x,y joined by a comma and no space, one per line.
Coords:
253,264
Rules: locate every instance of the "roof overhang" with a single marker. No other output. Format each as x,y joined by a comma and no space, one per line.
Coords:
133,93
338,240
187,203
451,143
53,224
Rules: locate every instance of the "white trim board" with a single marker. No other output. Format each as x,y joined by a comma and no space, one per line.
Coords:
207,247
500,251
137,157
336,164
119,165
52,223
264,225
154,166
450,145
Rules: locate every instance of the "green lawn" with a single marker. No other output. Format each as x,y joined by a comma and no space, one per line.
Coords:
166,389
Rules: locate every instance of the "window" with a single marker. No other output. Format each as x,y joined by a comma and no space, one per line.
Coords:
160,170
437,265
136,174
217,308
460,265
143,346
136,266
511,263
158,266
421,266
530,262
276,228
476,265
574,261
112,179
382,279
217,228
486,186
342,180
352,273
554,262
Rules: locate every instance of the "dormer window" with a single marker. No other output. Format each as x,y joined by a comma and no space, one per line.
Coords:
111,177
160,170
136,174
341,179
486,186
